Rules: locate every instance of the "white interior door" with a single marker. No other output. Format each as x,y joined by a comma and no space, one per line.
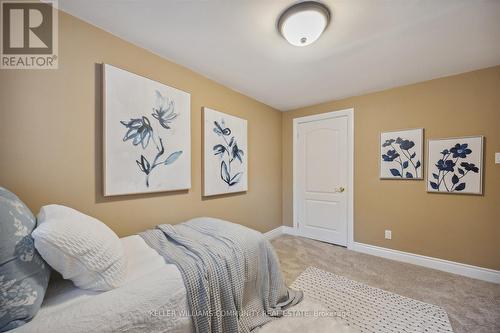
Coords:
322,178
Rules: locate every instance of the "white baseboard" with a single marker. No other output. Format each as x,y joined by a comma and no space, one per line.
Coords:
475,272
289,230
271,234
283,230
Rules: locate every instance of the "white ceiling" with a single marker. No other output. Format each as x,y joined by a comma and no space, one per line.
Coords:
370,45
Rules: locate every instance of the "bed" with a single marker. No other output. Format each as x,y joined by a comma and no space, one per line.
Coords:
143,304
201,275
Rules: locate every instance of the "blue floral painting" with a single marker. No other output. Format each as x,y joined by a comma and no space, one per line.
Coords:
140,132
225,153
147,136
228,152
455,165
401,154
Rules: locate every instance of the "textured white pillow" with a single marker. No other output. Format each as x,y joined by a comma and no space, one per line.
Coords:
80,247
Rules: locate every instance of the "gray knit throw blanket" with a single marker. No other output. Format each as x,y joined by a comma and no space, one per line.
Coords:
231,273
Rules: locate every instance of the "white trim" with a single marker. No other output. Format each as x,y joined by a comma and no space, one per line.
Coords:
475,272
272,234
279,231
289,230
350,138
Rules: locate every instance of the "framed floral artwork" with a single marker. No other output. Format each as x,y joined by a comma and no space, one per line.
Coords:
401,154
225,153
147,139
455,165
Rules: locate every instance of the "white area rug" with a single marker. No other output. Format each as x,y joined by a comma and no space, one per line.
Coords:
369,309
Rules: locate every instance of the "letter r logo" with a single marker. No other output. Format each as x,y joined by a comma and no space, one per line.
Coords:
27,28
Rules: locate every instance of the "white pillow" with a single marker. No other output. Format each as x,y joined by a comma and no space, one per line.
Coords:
80,247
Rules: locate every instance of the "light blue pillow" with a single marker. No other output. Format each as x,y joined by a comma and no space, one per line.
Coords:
23,273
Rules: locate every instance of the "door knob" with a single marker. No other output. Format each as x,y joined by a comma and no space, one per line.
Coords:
340,189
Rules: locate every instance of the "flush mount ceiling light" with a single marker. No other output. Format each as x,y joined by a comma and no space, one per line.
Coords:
303,23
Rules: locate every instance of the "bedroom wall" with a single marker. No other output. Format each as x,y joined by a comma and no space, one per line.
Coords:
50,137
462,228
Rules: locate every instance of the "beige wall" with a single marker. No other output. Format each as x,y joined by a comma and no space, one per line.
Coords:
463,228
50,148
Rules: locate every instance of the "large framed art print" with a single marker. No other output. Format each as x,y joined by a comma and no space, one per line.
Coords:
147,139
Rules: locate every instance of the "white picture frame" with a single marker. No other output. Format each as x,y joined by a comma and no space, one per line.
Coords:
225,153
146,135
401,154
455,165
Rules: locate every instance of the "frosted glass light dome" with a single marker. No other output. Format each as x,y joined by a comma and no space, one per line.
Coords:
303,23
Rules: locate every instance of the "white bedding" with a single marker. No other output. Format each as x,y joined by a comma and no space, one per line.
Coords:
144,303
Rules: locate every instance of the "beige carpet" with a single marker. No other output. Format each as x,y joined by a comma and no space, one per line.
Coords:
472,305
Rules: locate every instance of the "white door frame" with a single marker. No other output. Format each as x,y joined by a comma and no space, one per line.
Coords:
350,138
